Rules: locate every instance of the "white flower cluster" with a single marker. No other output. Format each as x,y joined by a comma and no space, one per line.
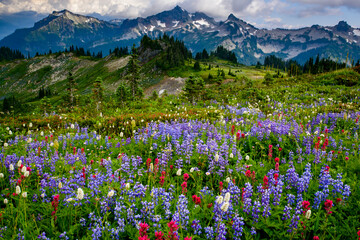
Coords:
225,201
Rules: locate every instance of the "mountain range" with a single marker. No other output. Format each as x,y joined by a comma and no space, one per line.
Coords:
61,29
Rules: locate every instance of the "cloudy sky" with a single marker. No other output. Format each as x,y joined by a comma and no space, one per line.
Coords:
261,13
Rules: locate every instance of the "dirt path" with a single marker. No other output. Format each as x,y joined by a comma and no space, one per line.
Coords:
170,84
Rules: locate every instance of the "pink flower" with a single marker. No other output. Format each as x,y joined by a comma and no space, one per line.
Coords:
186,177
187,238
143,229
159,235
316,238
328,205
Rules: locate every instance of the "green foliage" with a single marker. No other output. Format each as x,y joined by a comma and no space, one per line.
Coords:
123,94
45,105
71,97
7,54
225,54
268,79
154,95
194,87
343,77
197,66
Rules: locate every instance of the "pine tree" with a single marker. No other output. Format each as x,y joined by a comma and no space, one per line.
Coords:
194,88
133,70
71,97
122,94
98,92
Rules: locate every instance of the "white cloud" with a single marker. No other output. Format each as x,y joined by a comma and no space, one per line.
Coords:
135,8
331,3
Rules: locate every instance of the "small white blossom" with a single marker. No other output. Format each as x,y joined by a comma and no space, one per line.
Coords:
42,195
1,175
227,197
127,186
207,173
231,155
19,163
18,190
80,194
178,172
308,214
6,201
216,157
24,194
23,169
60,185
26,173
219,199
192,169
247,157
111,193
225,206
121,134
6,144
69,199
30,125
227,179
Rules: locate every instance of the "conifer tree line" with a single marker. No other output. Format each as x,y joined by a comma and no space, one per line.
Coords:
175,51
293,68
221,52
120,52
7,54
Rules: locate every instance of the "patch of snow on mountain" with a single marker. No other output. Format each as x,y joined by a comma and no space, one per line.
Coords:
175,23
228,44
257,55
151,28
202,22
58,14
269,48
357,32
161,24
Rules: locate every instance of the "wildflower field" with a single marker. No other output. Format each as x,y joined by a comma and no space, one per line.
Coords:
238,170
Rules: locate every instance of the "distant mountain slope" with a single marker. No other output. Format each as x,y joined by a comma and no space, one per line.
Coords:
62,29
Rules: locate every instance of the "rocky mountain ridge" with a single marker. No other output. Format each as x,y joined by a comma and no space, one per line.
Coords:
198,31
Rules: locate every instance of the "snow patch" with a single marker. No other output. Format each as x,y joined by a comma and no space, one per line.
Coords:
151,28
161,24
357,32
269,48
257,55
228,44
202,22
175,23
58,14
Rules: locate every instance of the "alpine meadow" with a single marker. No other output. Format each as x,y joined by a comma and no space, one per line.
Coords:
178,125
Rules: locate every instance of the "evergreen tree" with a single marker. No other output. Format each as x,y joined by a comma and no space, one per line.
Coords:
71,97
194,87
98,92
197,66
133,70
122,94
45,105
